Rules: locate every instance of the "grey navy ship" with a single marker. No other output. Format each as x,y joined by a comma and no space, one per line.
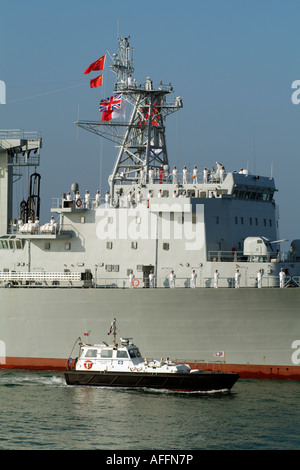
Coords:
188,259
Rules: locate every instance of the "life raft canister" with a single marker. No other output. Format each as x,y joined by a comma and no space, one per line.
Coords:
88,364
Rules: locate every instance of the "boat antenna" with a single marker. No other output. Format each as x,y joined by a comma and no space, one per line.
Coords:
115,333
113,330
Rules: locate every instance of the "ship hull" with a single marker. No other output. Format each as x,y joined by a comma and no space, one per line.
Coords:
257,330
190,382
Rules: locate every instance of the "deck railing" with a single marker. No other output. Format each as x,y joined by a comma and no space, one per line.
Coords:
77,279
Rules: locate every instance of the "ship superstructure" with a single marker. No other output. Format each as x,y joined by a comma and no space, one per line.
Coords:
192,245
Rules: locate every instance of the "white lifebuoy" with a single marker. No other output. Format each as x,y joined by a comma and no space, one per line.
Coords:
88,364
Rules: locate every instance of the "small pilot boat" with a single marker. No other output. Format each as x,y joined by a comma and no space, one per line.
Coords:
121,365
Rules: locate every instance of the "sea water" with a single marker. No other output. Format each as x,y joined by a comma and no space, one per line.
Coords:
38,411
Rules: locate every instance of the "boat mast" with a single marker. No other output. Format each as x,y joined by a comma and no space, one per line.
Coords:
141,141
115,332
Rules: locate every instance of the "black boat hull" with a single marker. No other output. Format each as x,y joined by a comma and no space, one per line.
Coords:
202,381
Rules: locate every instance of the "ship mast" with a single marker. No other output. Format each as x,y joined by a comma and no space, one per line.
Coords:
141,140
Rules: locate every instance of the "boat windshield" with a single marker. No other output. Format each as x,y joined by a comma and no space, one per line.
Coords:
134,353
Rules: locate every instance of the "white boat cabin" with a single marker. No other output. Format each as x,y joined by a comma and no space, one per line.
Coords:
122,358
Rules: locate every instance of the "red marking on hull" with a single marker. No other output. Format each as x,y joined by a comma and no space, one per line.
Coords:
34,363
244,370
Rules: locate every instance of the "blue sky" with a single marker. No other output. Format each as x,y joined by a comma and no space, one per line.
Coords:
232,62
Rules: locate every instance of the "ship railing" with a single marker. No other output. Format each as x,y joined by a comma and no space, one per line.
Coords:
296,280
224,256
62,203
245,281
76,279
186,282
167,178
19,134
11,278
131,88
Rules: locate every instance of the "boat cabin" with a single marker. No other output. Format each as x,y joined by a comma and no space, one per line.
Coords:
122,358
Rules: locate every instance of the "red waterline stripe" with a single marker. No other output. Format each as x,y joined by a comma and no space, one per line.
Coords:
244,370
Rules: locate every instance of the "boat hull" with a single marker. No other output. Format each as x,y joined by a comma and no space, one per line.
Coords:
257,329
192,382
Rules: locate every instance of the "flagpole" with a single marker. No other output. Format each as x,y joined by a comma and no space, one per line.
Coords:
77,121
103,89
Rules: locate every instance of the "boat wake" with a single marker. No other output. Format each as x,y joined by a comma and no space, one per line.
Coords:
18,378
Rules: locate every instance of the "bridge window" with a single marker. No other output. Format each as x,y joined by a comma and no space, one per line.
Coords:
122,354
106,353
91,353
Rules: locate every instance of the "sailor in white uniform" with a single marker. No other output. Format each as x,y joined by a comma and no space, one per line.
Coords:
174,173
87,200
184,175
195,174
151,280
151,172
149,196
259,278
205,176
98,199
193,279
131,278
20,224
143,175
139,197
36,225
107,199
78,201
52,225
129,199
282,278
237,279
172,279
216,279
222,174
160,193
69,197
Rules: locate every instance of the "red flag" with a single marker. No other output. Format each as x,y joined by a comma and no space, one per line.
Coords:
98,65
96,82
106,115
